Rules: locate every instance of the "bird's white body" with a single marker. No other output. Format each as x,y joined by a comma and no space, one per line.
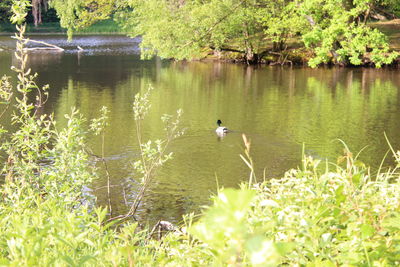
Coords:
221,130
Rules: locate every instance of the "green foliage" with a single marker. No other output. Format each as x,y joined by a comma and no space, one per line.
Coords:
332,218
225,231
308,218
337,33
6,92
19,11
5,10
282,21
102,27
389,6
185,30
330,28
78,14
153,154
343,215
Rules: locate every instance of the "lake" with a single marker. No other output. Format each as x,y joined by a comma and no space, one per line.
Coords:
278,108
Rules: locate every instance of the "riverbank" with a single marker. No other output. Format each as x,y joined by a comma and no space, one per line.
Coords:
294,54
392,30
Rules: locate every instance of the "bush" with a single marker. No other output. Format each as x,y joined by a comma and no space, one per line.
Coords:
308,218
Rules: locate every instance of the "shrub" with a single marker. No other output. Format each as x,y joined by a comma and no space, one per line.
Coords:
309,218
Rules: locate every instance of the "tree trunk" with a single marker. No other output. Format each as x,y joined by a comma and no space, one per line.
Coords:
37,6
249,51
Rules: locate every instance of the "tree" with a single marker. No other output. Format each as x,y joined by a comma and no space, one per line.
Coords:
390,8
37,6
331,29
190,29
282,23
77,14
334,31
5,10
338,30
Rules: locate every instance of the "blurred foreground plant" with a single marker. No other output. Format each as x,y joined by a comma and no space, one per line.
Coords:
46,217
342,216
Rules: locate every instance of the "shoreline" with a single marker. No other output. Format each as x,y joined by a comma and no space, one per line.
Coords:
64,33
296,56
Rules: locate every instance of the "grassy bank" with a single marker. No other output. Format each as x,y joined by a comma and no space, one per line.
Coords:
296,54
102,27
392,30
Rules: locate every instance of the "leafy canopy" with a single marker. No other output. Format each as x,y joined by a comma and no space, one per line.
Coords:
334,31
78,14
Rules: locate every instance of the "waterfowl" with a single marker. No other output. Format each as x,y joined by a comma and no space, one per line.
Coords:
221,130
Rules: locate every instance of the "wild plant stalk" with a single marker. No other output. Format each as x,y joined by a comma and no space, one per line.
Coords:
98,126
153,154
26,81
40,158
6,94
34,130
249,161
389,174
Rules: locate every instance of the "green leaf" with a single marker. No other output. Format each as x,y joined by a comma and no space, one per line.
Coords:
392,223
367,231
69,260
86,258
285,248
340,197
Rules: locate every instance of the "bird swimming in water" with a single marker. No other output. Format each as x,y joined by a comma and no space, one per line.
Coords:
221,130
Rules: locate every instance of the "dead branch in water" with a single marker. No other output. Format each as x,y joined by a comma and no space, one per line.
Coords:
49,46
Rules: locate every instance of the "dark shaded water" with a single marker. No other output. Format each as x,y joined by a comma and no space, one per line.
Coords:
279,109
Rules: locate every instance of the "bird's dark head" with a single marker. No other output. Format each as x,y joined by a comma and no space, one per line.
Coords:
219,122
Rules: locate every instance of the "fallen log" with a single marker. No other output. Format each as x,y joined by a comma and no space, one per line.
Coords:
42,48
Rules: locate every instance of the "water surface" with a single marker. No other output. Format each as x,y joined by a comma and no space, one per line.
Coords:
279,109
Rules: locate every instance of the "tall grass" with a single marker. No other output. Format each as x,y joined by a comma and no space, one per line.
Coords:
103,27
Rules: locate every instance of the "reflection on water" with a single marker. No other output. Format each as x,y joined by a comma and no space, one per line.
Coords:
279,109
41,60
